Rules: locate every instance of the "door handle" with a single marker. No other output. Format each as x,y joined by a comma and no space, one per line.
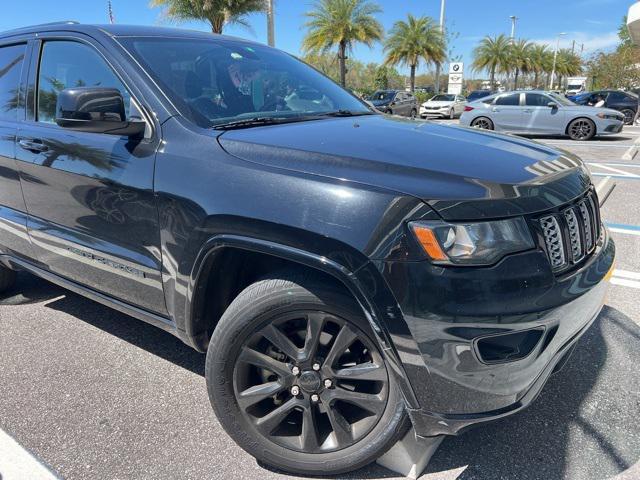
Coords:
528,111
495,109
35,146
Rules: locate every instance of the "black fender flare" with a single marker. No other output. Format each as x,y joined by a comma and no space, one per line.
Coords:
350,279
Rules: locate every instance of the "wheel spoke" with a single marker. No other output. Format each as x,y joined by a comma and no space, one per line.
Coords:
309,436
343,340
253,357
271,420
364,371
280,341
340,426
315,324
257,393
368,401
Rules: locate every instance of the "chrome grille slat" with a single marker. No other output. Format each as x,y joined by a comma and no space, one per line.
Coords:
553,241
573,233
577,252
588,223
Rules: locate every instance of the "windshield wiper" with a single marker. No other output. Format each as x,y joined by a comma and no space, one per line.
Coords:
344,113
252,122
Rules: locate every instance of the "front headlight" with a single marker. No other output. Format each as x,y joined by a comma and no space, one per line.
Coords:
608,116
482,243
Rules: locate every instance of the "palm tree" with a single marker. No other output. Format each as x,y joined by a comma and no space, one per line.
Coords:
520,59
493,54
541,61
567,64
417,38
341,23
218,13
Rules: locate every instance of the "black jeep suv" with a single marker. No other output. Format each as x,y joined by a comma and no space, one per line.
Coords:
348,273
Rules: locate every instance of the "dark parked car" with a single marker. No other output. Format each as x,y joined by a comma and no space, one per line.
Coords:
348,273
478,94
624,102
395,102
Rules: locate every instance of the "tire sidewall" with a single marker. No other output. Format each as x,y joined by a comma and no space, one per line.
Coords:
593,129
220,364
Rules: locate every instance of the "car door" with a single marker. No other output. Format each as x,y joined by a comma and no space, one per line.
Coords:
539,118
14,239
506,112
92,213
400,104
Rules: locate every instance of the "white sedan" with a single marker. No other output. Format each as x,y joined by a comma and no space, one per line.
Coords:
443,105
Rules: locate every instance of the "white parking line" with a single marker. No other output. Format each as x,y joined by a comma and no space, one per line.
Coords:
625,278
16,463
624,231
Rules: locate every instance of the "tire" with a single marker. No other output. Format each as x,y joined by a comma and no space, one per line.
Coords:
483,123
452,114
414,114
629,115
581,129
298,301
7,278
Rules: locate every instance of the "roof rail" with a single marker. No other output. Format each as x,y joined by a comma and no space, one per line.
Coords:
59,22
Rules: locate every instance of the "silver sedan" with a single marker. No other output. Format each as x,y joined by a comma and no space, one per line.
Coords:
541,113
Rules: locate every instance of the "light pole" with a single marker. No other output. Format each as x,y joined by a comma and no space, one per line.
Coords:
437,82
513,27
555,58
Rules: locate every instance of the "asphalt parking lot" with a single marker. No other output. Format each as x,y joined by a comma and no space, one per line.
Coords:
92,393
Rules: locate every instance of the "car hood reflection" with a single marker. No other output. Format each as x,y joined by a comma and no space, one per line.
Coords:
463,173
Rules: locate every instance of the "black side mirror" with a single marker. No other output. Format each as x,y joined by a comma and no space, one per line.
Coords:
552,105
95,110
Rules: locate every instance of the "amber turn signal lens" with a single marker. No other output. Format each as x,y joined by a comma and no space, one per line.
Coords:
428,240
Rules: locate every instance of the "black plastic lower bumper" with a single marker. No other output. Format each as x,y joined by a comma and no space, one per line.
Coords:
530,318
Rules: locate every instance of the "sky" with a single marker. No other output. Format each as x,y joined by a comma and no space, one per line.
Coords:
593,23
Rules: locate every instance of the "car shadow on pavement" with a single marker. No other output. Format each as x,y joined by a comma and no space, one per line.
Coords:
31,289
583,426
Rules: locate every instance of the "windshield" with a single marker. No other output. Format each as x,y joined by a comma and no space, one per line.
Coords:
443,98
382,95
214,82
562,100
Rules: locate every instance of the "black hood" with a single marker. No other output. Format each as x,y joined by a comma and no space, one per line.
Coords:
462,173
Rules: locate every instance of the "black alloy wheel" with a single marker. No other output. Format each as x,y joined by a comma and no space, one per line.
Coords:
311,382
296,378
629,115
581,129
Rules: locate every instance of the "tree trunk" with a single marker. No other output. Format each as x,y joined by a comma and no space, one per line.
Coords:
535,80
217,24
413,78
342,49
271,40
515,80
493,78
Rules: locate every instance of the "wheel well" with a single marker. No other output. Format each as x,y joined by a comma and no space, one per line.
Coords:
227,273
566,130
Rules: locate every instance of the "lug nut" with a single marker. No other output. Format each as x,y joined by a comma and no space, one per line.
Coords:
315,398
295,391
316,366
328,383
295,370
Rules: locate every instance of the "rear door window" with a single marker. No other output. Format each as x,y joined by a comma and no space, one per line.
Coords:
11,60
511,99
536,100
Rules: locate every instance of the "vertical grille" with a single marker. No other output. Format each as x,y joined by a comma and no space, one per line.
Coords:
571,235
575,239
553,240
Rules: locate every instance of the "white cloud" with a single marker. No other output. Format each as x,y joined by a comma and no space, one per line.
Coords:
591,42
